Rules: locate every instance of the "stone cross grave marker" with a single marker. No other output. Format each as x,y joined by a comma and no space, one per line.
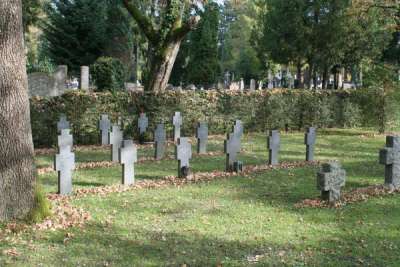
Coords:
202,137
177,122
238,128
390,157
330,180
128,158
104,125
62,123
183,153
143,123
115,137
159,141
232,147
309,141
64,164
274,143
65,139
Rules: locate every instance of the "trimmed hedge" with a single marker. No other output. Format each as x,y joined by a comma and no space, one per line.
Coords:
259,111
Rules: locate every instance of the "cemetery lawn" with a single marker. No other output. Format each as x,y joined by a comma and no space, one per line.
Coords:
240,221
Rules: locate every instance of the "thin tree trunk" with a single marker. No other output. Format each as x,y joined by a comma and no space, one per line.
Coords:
299,76
325,78
161,68
17,171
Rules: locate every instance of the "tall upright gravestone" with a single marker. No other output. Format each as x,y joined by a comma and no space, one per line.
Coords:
128,158
104,125
64,163
390,157
177,122
309,140
183,153
84,78
116,137
274,142
232,147
202,137
252,85
159,141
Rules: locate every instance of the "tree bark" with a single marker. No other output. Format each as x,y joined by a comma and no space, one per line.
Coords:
17,171
161,67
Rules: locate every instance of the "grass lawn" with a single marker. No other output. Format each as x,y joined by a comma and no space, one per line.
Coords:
241,221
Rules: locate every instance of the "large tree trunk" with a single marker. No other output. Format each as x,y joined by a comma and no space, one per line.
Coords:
161,67
17,171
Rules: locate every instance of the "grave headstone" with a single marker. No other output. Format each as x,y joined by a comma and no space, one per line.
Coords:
84,78
128,158
252,85
143,123
274,143
232,147
183,153
260,85
330,180
177,122
104,125
238,128
115,137
65,139
390,157
62,124
64,164
309,141
202,137
159,141
241,85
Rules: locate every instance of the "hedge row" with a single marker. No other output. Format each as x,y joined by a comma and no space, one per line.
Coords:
259,111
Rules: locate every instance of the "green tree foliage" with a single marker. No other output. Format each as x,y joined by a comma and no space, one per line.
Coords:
30,12
108,73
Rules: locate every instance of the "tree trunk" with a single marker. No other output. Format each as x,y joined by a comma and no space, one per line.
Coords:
17,171
161,67
299,77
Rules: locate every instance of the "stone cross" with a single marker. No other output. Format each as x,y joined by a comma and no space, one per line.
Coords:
274,143
202,137
84,78
309,141
390,157
62,123
65,139
115,137
232,147
64,164
128,158
330,180
159,141
104,125
177,122
143,123
252,85
183,153
238,128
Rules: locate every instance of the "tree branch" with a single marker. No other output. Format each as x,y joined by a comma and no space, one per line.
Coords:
144,22
190,25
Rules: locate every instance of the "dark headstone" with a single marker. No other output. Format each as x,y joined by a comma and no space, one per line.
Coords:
115,137
104,125
274,144
309,141
202,137
183,153
330,180
62,124
390,157
143,123
128,158
159,141
177,122
64,164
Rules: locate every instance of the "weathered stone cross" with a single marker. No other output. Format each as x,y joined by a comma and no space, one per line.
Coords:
274,141
128,158
177,122
65,139
64,164
202,137
330,180
390,157
62,123
159,141
232,147
183,153
104,126
115,137
143,123
309,141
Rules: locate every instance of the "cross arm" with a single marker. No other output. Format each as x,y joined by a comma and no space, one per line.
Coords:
386,156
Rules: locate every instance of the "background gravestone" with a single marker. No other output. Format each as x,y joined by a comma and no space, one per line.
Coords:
183,153
309,140
104,126
62,124
177,122
238,128
330,180
252,85
128,158
274,141
115,137
159,141
64,164
65,139
390,157
84,85
202,137
143,123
